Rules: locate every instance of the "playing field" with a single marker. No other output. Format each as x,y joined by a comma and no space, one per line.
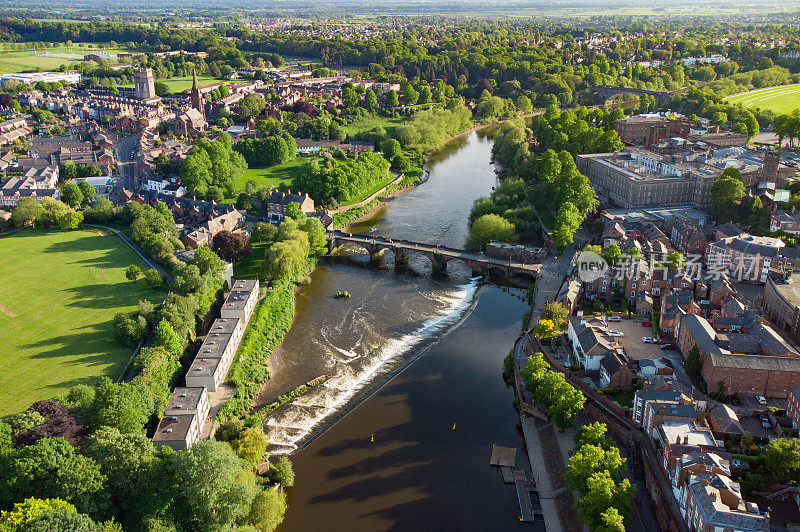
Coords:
50,58
59,293
783,99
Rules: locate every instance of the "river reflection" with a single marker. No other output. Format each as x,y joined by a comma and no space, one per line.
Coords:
381,456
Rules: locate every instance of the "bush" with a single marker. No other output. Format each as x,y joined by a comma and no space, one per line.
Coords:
129,331
153,279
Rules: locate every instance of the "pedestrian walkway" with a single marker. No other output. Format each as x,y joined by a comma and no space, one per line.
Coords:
549,507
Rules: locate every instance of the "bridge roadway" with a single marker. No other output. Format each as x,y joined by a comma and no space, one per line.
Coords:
438,255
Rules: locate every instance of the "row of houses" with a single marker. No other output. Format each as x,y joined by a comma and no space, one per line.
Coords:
688,434
187,413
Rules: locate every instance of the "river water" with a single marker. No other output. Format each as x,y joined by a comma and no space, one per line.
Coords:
399,436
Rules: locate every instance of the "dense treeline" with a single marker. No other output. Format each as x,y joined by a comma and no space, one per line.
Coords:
341,180
268,151
211,167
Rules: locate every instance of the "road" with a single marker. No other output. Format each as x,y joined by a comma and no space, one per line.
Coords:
127,163
432,248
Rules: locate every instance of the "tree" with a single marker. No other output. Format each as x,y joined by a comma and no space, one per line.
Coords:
425,96
124,459
488,228
726,195
593,434
27,212
589,459
69,220
26,512
675,260
71,195
392,100
612,253
123,406
250,445
719,118
263,232
133,272
153,279
282,472
410,96
693,364
268,127
370,101
51,468
217,487
349,97
556,312
601,495
294,212
88,191
161,88
782,458
129,331
69,171
231,247
401,163
167,338
391,149
568,220
545,329
250,107
611,521
267,510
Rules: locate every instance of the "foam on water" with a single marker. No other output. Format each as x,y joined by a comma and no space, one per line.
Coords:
297,423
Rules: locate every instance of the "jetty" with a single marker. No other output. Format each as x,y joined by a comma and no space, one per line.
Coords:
505,458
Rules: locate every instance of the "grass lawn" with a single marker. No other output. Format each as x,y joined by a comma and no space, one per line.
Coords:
368,193
26,61
372,122
177,85
782,99
250,267
274,175
60,293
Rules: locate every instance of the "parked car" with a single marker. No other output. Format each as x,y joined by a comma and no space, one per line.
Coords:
666,346
612,332
761,399
765,422
734,399
614,318
646,324
667,362
649,340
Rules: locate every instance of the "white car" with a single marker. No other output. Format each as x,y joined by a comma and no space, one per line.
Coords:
615,333
649,340
614,318
760,399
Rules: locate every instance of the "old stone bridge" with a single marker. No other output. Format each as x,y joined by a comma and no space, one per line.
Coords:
607,92
438,255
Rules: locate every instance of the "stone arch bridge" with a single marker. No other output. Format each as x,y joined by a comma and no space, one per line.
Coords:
605,93
438,255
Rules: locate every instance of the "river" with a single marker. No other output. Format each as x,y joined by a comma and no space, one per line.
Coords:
399,436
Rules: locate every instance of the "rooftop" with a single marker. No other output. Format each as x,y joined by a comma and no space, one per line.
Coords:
174,427
185,400
687,433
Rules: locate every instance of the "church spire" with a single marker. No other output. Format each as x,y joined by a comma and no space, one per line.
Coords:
195,85
196,99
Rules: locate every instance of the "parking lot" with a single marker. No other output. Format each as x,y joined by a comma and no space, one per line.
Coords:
633,330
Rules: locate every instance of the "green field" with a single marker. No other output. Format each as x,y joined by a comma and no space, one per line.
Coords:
372,122
274,175
60,293
181,84
782,99
27,61
250,268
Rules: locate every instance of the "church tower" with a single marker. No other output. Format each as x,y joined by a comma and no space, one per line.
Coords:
196,97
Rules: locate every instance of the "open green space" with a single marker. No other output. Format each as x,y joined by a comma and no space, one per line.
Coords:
369,123
250,268
60,293
274,175
14,61
782,99
180,84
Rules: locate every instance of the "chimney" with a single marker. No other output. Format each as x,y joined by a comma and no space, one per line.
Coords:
662,410
685,439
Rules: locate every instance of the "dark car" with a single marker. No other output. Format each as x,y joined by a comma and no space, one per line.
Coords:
666,346
734,399
765,422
